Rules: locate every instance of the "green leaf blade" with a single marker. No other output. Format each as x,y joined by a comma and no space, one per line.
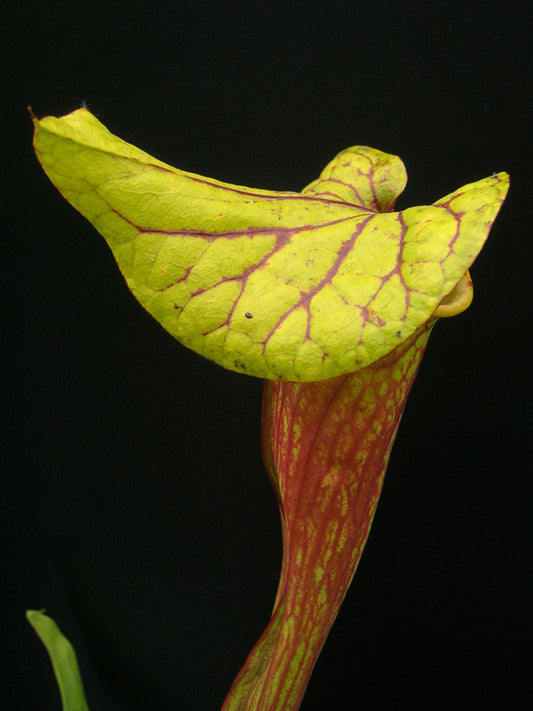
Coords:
64,661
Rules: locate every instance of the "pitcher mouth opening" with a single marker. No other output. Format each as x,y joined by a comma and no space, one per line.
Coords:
458,300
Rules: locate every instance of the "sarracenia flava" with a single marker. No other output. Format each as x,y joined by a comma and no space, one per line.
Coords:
329,295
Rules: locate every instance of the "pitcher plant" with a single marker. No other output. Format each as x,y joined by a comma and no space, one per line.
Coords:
329,295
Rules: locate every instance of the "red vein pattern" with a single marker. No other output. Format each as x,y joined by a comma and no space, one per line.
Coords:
353,273
333,279
326,446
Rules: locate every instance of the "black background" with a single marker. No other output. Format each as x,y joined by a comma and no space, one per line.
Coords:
137,510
